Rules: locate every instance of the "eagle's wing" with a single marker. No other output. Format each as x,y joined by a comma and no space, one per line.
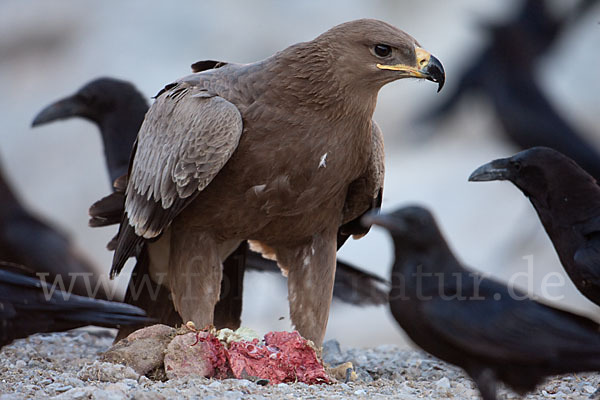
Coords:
188,135
365,193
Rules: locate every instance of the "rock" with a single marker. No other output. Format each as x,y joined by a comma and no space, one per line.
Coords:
158,330
130,383
589,389
464,391
20,364
233,395
34,364
332,353
144,395
143,350
106,372
117,387
144,380
107,395
443,383
59,387
114,391
70,380
76,394
363,375
190,354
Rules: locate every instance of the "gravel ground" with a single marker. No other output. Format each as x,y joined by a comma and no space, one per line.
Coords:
65,366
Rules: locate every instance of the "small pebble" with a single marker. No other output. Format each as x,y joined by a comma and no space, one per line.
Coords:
144,380
131,383
443,383
61,389
589,389
75,394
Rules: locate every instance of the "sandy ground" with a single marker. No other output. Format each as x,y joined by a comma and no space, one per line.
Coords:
65,366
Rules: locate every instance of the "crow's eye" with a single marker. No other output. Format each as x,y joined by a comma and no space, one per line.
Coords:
382,50
516,165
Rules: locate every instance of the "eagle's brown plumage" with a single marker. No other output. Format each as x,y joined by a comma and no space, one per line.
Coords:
281,152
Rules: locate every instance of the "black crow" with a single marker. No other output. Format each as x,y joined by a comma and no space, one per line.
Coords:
26,239
495,333
567,200
115,106
28,306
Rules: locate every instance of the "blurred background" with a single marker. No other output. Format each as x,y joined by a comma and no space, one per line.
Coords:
433,141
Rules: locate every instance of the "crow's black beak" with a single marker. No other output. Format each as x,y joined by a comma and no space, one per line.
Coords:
496,170
64,108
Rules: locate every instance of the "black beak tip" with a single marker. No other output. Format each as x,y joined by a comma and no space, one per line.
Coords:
438,76
489,172
38,120
62,109
481,174
435,72
48,114
473,177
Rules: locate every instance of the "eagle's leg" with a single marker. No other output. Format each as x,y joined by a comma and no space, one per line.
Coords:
311,272
195,273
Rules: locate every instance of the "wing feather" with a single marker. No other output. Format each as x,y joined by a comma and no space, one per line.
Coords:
188,135
365,193
496,329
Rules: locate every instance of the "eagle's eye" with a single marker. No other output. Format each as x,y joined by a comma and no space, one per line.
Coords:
382,50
